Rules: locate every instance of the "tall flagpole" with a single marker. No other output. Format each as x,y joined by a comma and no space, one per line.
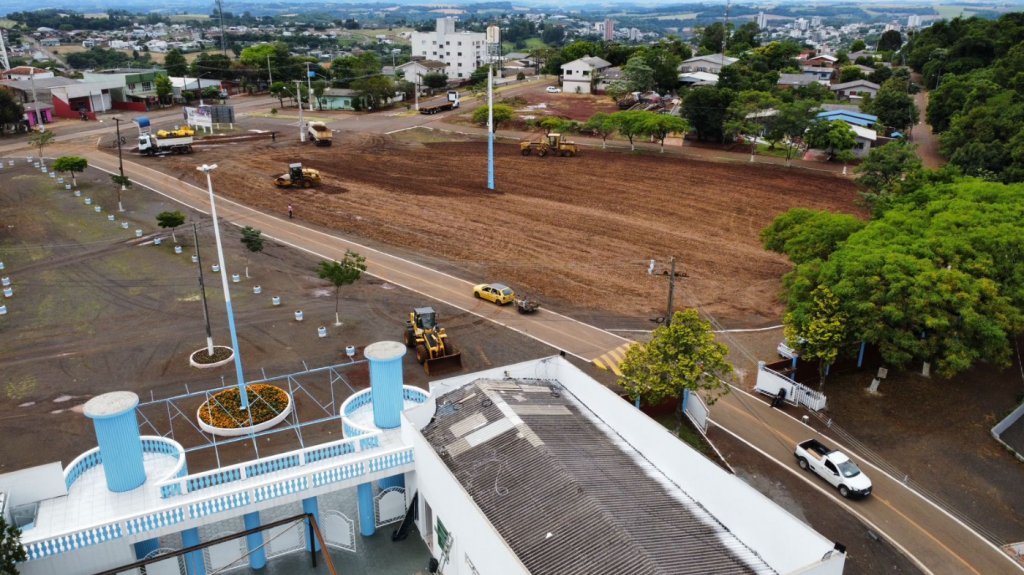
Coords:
493,45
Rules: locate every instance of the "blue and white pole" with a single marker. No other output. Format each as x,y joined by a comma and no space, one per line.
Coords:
207,169
490,127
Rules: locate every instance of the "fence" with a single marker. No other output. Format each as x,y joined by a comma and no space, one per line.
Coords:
1005,424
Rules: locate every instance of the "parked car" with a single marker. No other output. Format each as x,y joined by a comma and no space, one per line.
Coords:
833,466
553,90
500,294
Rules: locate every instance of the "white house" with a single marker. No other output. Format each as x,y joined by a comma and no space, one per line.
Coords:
26,73
712,63
462,52
580,76
415,70
855,90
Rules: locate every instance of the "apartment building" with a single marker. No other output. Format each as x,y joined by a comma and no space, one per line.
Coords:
462,52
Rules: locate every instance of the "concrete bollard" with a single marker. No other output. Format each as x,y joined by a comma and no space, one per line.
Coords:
177,249
215,268
1,265
257,290
78,193
138,233
60,180
235,278
34,164
321,331
156,241
195,259
3,309
67,186
298,315
124,225
8,292
53,175
5,281
98,209
88,201
110,217
276,300
350,350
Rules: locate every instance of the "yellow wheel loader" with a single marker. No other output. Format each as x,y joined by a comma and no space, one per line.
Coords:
433,349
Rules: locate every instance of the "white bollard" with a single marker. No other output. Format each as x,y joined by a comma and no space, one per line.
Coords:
156,241
88,201
138,233
3,309
8,292
350,350
257,289
177,249
298,315
235,278
78,193
215,268
276,300
124,225
5,281
98,209
195,259
110,217
1,265
321,331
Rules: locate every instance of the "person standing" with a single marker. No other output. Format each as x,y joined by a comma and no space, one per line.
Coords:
289,211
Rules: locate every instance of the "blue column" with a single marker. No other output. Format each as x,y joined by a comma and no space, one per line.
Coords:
367,518
386,382
195,564
393,481
143,548
254,541
793,376
309,505
860,354
117,433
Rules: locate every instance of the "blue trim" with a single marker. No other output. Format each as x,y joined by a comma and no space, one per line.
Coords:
234,346
367,518
121,451
393,481
386,391
860,354
490,158
309,505
254,541
144,548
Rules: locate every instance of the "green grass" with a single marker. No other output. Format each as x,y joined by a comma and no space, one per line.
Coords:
684,431
187,17
950,12
5,23
778,152
529,44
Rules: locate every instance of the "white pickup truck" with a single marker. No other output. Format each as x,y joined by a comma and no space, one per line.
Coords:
834,466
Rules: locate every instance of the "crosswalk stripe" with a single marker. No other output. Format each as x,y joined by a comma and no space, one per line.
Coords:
612,359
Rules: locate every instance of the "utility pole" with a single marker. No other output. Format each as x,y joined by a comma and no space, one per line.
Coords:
302,123
223,33
417,93
35,103
120,163
202,288
270,72
309,86
671,290
3,53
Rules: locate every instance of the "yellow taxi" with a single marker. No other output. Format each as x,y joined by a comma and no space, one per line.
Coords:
500,294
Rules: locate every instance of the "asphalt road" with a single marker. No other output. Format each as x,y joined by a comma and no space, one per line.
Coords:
936,541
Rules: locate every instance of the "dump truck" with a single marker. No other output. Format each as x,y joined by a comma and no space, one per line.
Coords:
298,177
176,141
319,133
441,106
553,144
433,348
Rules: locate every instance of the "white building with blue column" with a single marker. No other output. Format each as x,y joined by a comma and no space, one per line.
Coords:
528,468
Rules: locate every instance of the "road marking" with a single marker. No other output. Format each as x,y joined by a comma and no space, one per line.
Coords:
612,359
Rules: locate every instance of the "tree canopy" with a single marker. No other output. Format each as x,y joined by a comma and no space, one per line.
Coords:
71,165
937,277
343,273
502,113
175,63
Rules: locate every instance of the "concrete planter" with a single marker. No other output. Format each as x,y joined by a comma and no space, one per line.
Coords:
124,225
88,201
78,193
257,289
235,278
192,358
8,292
276,300
321,331
177,249
3,310
239,431
298,315
215,268
110,217
138,233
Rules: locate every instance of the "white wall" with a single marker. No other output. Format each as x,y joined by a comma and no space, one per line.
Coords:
84,560
783,541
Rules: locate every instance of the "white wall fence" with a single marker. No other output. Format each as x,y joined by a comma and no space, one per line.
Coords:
769,382
1005,424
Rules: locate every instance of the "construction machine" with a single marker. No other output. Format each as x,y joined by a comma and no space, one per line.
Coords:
554,144
433,348
298,177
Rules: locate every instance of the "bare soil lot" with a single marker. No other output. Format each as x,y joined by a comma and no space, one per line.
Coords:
581,231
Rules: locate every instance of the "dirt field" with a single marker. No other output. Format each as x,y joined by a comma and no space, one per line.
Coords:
579,231
579,107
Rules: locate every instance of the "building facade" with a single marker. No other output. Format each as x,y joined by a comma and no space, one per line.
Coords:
461,52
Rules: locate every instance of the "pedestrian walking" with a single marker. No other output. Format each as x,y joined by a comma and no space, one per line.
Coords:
289,211
273,136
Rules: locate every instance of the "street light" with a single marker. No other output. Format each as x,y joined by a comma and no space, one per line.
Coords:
309,87
208,169
120,163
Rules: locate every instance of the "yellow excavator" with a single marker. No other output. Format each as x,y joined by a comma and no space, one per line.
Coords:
433,349
298,177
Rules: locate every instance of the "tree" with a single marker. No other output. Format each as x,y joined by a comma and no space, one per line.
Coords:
661,125
821,333
253,240
858,45
629,123
280,89
748,115
681,357
213,65
41,139
319,87
345,71
502,113
342,273
164,88
833,136
479,76
884,168
375,91
275,55
705,108
850,73
890,41
11,110
122,181
170,220
638,76
11,550
710,39
175,63
435,80
552,124
806,235
71,165
601,124
893,105
789,125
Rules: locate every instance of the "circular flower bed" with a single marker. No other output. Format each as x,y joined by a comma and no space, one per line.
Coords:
223,413
222,354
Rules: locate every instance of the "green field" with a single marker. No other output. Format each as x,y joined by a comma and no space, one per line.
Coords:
5,23
187,17
531,43
950,12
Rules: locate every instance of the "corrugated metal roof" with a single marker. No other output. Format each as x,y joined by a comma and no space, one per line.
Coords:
568,495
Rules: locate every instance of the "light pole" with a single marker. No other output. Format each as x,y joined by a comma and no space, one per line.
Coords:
208,169
35,102
309,87
302,123
120,163
493,49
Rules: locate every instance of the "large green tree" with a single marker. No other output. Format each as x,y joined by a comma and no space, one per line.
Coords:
502,113
164,87
601,124
630,123
884,168
789,125
277,56
343,273
11,550
680,358
893,105
11,110
171,220
806,235
375,91
347,70
40,139
890,41
659,126
833,136
72,165
175,63
937,277
821,333
705,108
637,75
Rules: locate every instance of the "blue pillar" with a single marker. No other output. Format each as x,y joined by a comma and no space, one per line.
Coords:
195,564
393,481
367,518
793,363
117,433
143,548
386,382
254,541
637,403
309,505
860,355
686,397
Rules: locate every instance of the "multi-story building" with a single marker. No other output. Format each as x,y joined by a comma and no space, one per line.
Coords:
913,21
462,52
609,30
762,21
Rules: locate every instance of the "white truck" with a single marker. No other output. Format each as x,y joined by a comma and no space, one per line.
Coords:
176,141
319,133
834,466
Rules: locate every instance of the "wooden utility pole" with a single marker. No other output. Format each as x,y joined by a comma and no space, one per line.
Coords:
671,290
